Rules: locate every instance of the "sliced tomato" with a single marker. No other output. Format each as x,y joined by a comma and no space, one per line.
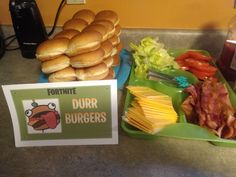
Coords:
182,65
194,62
182,56
185,68
201,74
200,65
194,54
199,56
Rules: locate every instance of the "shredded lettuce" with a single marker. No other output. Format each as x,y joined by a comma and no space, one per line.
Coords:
151,54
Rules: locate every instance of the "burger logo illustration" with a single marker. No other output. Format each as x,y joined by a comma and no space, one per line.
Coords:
42,117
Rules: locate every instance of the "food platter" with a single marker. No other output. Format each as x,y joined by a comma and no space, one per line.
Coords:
182,129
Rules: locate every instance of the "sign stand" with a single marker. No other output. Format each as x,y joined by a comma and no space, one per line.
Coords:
65,113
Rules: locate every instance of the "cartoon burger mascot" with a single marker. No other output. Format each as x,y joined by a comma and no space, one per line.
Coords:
42,117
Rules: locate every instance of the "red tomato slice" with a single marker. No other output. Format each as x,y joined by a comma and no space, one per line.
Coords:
194,54
193,62
201,74
199,56
200,65
182,56
182,64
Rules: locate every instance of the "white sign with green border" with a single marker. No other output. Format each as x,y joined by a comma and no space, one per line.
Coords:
65,113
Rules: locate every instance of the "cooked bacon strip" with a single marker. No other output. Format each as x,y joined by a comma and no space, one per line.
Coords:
208,105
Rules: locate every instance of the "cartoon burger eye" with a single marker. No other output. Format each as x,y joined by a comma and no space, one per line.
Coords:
28,113
51,105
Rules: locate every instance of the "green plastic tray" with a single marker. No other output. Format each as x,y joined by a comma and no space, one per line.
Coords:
182,129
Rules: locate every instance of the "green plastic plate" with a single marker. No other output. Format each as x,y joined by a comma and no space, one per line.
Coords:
182,129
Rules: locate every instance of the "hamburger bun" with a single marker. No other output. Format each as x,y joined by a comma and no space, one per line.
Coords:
64,75
84,42
99,28
111,74
119,47
85,14
117,30
76,24
97,72
87,59
116,60
114,40
108,25
52,48
55,64
69,33
108,61
108,15
107,47
114,51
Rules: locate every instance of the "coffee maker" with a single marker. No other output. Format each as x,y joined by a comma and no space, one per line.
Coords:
28,25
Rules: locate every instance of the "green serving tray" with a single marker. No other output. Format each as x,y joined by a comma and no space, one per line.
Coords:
182,129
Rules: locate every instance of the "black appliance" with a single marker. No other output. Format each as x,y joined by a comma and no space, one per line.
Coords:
28,25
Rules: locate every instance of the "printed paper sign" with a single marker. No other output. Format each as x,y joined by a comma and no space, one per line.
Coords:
72,113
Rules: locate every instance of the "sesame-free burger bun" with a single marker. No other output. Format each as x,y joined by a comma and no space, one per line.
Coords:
108,61
108,25
118,30
119,47
55,64
111,74
107,47
87,59
84,42
97,72
85,14
51,48
108,15
69,33
64,75
76,24
114,51
116,60
114,40
98,28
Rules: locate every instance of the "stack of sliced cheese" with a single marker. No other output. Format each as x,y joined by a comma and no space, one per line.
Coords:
87,48
150,110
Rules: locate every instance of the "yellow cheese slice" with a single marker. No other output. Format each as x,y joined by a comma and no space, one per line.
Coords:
150,110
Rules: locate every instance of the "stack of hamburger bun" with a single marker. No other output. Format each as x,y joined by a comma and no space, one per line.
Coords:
87,48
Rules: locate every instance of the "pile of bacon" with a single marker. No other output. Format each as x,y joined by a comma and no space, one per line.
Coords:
209,106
